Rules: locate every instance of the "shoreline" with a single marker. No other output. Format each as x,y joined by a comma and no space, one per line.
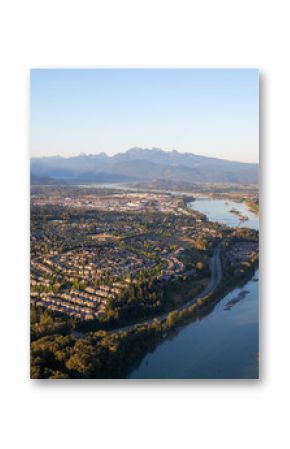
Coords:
191,314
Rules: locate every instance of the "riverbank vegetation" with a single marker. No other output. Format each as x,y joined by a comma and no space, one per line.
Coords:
253,205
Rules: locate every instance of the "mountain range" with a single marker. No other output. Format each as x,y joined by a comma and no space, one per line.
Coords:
142,164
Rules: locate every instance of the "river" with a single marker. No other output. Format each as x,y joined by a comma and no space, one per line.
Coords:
219,210
223,344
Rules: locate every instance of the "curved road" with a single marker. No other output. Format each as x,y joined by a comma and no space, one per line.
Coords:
216,276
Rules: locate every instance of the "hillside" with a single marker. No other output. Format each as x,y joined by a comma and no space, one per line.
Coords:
138,164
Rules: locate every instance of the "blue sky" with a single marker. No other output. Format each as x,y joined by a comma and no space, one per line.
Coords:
212,112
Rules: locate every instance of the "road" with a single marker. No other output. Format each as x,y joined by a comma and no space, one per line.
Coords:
215,278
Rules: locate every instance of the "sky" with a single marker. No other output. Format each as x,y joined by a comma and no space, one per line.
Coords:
211,112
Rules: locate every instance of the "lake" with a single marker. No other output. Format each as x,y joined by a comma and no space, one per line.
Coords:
223,344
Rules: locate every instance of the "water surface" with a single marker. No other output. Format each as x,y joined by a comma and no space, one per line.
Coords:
219,210
221,345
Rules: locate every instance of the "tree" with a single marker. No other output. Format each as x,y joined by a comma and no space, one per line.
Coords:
199,265
171,319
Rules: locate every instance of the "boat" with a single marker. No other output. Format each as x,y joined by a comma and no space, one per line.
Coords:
235,300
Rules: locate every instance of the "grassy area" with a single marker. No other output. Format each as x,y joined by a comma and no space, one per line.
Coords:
252,206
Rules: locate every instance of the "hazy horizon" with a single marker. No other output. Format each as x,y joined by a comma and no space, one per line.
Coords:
128,149
208,112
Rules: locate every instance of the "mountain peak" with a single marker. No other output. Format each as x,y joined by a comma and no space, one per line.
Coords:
147,164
